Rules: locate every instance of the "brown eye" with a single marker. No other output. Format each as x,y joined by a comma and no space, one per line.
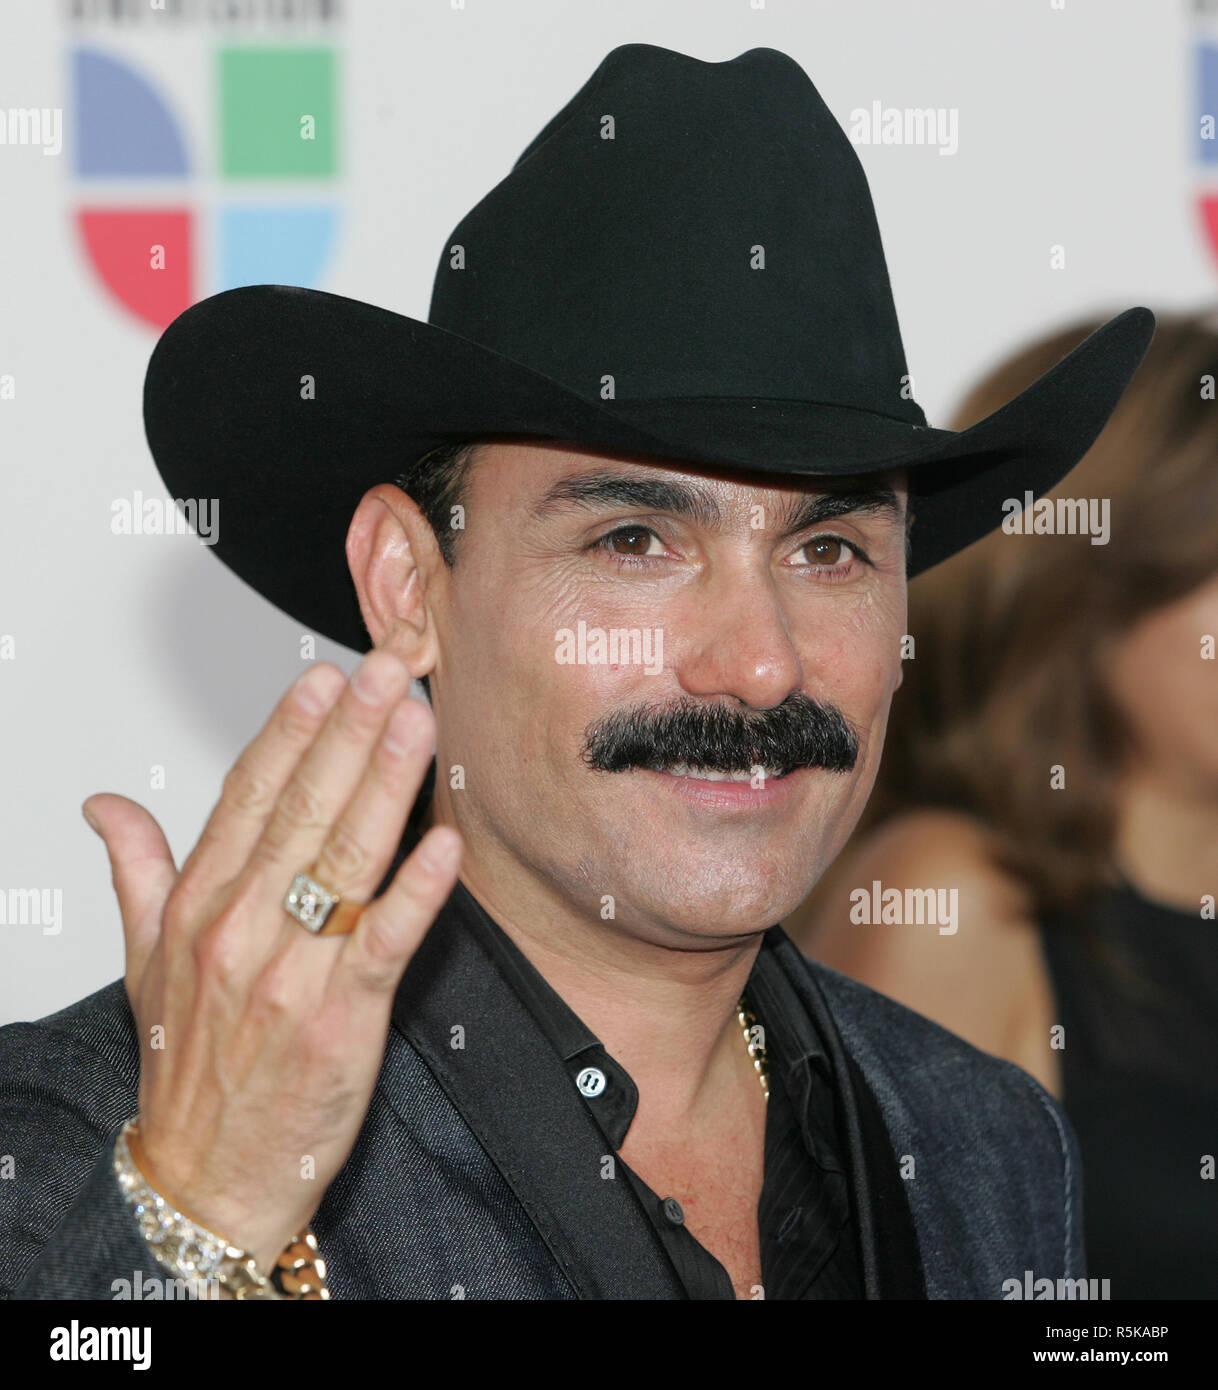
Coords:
825,550
630,540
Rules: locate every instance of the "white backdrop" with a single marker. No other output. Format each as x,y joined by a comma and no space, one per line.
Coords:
123,654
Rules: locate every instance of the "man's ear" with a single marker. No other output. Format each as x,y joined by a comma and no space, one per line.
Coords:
395,566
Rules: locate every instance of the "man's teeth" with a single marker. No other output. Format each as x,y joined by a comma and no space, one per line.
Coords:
707,774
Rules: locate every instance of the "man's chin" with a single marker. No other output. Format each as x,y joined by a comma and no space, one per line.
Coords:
706,923
708,897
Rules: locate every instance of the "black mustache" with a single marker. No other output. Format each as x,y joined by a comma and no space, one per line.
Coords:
798,733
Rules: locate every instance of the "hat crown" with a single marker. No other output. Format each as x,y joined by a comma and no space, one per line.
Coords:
685,229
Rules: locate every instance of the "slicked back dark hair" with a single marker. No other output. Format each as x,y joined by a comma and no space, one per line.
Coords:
436,482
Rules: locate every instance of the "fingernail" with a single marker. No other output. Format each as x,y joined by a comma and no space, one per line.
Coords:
93,825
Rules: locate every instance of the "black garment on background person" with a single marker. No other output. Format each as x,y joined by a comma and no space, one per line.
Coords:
807,1225
1136,986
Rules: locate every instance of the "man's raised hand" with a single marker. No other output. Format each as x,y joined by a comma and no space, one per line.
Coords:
260,1042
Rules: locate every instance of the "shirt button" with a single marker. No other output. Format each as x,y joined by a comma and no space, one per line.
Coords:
672,1210
591,1081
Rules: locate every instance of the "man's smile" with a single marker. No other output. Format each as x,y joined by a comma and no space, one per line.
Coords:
727,791
707,774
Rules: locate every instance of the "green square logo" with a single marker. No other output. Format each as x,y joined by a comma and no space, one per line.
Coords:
277,113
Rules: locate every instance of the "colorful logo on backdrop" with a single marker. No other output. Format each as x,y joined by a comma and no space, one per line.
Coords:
1207,132
273,120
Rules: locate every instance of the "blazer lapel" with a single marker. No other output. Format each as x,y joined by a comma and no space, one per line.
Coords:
503,1076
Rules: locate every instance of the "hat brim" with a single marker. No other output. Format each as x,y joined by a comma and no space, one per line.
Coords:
285,405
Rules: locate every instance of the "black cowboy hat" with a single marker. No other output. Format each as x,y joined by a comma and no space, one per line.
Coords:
684,264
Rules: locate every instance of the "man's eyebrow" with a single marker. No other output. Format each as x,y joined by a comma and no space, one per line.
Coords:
603,489
808,511
593,491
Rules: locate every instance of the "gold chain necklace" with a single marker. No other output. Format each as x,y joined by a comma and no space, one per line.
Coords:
747,1021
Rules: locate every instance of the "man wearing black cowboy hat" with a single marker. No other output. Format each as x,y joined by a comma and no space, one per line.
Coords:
659,608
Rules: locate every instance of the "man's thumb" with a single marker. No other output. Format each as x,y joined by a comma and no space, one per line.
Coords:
141,867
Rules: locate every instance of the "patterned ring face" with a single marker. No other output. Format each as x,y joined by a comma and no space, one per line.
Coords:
310,902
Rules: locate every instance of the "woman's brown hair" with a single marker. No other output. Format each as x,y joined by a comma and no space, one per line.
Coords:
1010,635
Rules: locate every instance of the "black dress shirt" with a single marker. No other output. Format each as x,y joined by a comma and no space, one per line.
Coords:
807,1231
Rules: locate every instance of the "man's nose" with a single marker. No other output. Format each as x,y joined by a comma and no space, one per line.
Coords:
737,640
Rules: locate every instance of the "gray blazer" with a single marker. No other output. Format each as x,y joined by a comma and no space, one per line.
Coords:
476,1171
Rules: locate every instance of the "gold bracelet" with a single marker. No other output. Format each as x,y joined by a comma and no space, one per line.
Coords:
188,1250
